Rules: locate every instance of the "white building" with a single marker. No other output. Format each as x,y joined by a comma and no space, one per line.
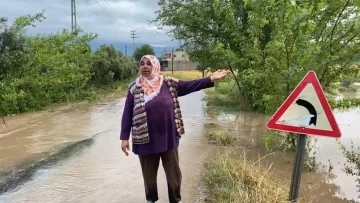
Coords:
178,60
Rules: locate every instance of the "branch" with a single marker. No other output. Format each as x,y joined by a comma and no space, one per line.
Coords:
232,72
341,38
337,22
323,29
346,43
238,84
331,36
327,64
335,75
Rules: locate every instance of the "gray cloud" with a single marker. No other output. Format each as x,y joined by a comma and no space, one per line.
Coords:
112,20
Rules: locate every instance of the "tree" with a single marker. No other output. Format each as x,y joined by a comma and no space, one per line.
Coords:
143,50
109,65
272,44
36,71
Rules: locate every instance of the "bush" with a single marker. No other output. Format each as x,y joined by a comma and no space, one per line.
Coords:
36,71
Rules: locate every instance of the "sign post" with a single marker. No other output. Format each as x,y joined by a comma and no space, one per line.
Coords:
306,111
299,162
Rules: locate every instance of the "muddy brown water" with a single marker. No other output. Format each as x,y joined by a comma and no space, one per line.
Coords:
99,172
321,186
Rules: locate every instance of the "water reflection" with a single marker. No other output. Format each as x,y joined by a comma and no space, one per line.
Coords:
322,186
330,155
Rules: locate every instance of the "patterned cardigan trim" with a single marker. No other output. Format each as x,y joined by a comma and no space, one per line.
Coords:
140,133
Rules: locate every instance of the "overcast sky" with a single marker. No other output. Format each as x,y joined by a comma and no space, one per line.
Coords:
111,19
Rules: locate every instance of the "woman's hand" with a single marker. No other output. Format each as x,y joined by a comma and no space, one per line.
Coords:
125,147
219,74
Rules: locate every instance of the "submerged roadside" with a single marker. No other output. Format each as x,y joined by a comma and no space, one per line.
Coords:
246,169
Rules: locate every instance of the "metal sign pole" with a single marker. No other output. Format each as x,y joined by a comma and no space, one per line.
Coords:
298,165
309,96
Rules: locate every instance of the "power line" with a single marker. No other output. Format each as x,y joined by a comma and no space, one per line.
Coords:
73,16
108,9
111,12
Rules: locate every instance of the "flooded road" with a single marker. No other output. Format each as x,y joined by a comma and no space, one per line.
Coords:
98,171
92,168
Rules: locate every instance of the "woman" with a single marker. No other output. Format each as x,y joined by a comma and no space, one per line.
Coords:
152,114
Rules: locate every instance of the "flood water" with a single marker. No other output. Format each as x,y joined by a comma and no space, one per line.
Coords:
92,167
329,153
321,186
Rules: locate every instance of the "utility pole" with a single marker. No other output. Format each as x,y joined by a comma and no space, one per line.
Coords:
133,36
73,16
172,61
74,23
126,50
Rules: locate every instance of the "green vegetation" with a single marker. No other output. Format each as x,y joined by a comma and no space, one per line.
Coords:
143,50
37,71
223,137
183,75
352,165
232,179
269,46
225,96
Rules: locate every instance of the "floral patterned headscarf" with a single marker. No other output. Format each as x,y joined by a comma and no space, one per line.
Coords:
151,84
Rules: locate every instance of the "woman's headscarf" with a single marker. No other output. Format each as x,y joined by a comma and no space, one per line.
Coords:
151,84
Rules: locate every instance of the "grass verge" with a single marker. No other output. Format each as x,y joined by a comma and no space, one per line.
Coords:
184,75
225,96
233,179
118,88
223,137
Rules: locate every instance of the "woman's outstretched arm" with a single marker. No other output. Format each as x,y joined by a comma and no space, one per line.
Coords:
187,87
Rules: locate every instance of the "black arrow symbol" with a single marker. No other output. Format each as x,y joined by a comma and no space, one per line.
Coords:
310,108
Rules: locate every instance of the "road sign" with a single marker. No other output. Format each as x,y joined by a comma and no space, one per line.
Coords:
306,111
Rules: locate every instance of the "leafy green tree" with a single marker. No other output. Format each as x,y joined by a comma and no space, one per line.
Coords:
272,44
62,61
110,65
36,71
143,50
14,57
269,44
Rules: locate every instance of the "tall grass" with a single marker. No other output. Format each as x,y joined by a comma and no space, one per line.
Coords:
231,178
218,136
225,95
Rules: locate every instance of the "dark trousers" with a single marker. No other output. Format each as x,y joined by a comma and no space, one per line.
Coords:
150,164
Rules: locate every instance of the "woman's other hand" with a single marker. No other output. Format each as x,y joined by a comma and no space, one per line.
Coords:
125,147
219,74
